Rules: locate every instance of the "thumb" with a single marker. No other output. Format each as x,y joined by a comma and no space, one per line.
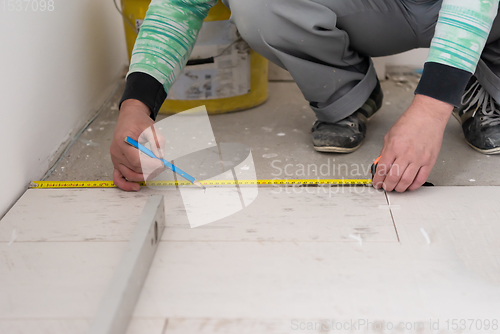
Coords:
155,139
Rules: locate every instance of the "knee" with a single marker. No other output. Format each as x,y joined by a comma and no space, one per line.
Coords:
257,24
252,18
275,21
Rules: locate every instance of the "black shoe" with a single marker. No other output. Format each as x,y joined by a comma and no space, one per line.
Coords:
347,135
480,119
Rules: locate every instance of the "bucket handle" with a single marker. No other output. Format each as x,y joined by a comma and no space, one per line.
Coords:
126,19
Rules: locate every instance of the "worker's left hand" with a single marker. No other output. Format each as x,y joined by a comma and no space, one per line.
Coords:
130,167
412,145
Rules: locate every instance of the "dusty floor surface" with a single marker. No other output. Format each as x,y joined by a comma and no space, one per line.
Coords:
278,133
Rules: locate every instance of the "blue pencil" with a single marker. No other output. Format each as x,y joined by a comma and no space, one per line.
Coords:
167,164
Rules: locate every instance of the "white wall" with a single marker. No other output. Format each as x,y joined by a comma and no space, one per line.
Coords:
414,58
56,70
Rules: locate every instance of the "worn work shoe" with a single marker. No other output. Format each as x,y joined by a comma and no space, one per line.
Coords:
347,135
479,115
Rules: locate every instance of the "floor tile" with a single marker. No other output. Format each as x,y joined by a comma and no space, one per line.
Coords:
313,214
245,326
55,279
249,280
44,326
465,219
312,280
74,326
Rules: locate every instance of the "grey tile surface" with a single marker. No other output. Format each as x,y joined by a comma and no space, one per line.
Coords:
278,134
276,215
449,218
258,264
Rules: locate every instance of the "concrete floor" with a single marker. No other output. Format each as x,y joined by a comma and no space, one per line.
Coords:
278,133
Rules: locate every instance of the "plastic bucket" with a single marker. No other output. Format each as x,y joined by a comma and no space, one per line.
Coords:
223,73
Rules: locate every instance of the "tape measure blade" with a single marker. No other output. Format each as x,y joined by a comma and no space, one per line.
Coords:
216,183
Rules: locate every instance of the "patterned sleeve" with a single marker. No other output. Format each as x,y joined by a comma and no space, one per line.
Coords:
163,47
461,33
167,38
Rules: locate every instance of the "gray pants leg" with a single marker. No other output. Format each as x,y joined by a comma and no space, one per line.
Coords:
326,45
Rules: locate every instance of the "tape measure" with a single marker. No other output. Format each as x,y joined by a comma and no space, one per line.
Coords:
214,183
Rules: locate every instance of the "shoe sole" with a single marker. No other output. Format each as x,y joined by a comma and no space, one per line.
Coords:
334,149
491,151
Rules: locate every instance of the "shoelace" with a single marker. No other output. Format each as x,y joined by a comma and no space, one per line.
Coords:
476,94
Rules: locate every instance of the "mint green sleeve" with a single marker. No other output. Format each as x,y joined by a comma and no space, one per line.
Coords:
167,37
461,32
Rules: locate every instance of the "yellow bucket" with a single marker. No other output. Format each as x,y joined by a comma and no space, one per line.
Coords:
251,87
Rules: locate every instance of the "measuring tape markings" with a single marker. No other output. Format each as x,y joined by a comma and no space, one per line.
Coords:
282,182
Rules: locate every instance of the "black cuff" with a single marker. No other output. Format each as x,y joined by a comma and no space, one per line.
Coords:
145,88
443,83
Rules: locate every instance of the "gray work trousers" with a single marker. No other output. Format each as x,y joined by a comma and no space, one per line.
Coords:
326,45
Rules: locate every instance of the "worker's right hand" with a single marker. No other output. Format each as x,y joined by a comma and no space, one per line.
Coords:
134,121
412,145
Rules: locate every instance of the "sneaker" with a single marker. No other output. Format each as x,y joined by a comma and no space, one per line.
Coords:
479,116
347,135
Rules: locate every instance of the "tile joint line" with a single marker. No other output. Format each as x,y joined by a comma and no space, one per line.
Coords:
392,216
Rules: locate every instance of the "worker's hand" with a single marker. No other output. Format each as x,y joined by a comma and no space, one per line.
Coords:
412,145
134,121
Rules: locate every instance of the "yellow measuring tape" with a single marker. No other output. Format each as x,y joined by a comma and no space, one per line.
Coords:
215,183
